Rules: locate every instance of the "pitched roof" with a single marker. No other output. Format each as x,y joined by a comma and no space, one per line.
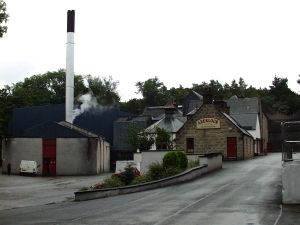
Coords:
171,124
243,105
53,130
247,121
236,124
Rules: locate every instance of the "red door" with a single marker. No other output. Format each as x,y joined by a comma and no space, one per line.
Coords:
49,157
231,147
52,166
46,166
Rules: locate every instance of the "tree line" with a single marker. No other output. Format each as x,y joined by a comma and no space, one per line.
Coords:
49,88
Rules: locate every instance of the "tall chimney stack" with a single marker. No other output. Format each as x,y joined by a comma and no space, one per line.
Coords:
70,66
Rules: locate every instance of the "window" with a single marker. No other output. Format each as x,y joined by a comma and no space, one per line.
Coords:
190,145
161,145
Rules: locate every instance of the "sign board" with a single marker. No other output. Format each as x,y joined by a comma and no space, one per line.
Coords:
208,123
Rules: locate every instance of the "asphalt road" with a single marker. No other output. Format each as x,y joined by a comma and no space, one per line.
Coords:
243,192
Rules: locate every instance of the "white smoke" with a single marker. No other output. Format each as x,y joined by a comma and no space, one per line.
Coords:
87,101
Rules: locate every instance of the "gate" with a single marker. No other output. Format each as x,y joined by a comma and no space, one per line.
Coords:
290,132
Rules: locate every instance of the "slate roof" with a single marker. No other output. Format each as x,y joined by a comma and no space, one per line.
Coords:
243,105
177,113
188,105
247,121
171,119
97,120
77,129
53,130
171,124
236,124
192,105
120,130
245,111
25,118
156,111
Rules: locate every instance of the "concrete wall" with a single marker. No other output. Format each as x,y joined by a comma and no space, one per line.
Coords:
76,156
149,157
291,182
213,161
107,192
104,157
17,149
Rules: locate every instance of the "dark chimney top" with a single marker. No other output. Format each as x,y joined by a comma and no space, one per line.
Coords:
207,96
222,105
169,108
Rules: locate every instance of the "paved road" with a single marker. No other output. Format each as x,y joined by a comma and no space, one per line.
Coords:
23,191
244,192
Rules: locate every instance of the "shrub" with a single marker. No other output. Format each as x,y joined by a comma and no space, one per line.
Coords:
98,186
193,163
84,189
110,182
170,159
182,160
175,159
141,179
155,171
171,171
128,175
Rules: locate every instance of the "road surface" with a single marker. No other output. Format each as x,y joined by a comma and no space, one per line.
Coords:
242,192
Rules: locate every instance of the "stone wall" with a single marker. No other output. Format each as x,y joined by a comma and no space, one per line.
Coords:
214,140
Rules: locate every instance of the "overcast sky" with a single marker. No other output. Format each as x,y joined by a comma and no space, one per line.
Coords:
180,42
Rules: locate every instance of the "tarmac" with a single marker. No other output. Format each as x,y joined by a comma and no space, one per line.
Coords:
20,191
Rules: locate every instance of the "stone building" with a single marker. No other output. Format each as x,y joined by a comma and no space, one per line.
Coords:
211,130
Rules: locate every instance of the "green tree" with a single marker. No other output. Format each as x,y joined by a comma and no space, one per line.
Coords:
242,87
104,90
227,93
153,91
3,18
134,105
45,89
41,89
199,88
178,93
163,136
6,109
234,87
281,97
216,87
136,136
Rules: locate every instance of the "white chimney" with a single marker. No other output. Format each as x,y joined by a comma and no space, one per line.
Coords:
70,66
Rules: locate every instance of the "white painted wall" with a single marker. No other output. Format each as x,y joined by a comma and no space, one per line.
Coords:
16,149
214,161
256,133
